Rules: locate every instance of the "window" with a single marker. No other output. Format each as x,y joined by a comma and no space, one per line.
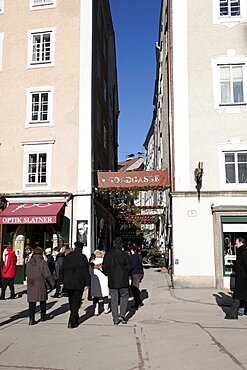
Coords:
37,168
229,8
231,84
229,12
39,4
235,167
41,48
37,165
1,6
39,106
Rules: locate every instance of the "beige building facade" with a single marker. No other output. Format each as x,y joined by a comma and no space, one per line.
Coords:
58,116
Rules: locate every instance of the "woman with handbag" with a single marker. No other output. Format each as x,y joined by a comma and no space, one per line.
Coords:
37,272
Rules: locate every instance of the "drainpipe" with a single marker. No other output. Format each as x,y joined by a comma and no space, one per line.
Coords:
170,133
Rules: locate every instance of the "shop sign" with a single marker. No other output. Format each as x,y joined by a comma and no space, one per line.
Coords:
133,179
29,220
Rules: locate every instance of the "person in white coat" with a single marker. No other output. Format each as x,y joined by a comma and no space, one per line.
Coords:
99,286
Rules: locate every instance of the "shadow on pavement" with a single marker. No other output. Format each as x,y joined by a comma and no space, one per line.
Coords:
131,310
223,300
23,314
89,312
60,310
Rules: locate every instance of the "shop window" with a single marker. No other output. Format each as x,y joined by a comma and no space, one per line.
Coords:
41,48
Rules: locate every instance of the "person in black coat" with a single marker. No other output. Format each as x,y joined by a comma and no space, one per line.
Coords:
74,277
58,263
240,290
116,265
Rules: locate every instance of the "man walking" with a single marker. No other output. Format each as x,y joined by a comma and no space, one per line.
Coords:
117,265
8,272
74,276
240,290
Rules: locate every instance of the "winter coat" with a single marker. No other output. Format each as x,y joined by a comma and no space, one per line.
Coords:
240,291
58,264
37,272
137,268
9,267
117,266
99,284
74,272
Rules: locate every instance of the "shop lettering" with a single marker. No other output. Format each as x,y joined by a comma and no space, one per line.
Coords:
28,220
133,180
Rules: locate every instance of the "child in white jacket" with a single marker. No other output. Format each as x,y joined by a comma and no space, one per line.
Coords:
99,285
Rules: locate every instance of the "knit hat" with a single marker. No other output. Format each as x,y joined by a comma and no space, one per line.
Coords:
118,243
9,248
79,245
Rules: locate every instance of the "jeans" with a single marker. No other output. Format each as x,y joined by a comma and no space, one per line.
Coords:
124,297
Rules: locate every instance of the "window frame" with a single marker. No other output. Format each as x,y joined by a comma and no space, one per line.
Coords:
39,90
231,80
229,21
233,145
42,63
216,64
37,148
2,7
41,6
236,165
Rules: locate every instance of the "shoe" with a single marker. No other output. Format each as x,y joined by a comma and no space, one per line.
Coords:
72,326
32,322
122,320
96,310
11,297
229,317
2,298
46,317
106,308
117,321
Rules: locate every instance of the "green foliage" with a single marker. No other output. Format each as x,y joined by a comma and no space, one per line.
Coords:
155,257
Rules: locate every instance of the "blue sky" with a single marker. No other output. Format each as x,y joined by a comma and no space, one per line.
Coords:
136,24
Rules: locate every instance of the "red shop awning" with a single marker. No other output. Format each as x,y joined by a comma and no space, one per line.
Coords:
31,213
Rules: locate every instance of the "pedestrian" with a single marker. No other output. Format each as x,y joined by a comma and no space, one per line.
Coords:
240,289
58,263
8,272
51,265
137,273
38,273
117,265
99,285
74,277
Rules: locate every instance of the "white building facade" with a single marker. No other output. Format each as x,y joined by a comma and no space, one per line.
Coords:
204,117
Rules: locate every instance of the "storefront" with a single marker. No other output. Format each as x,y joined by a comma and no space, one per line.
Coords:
30,223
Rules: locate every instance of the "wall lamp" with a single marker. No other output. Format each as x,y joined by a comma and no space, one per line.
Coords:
198,178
